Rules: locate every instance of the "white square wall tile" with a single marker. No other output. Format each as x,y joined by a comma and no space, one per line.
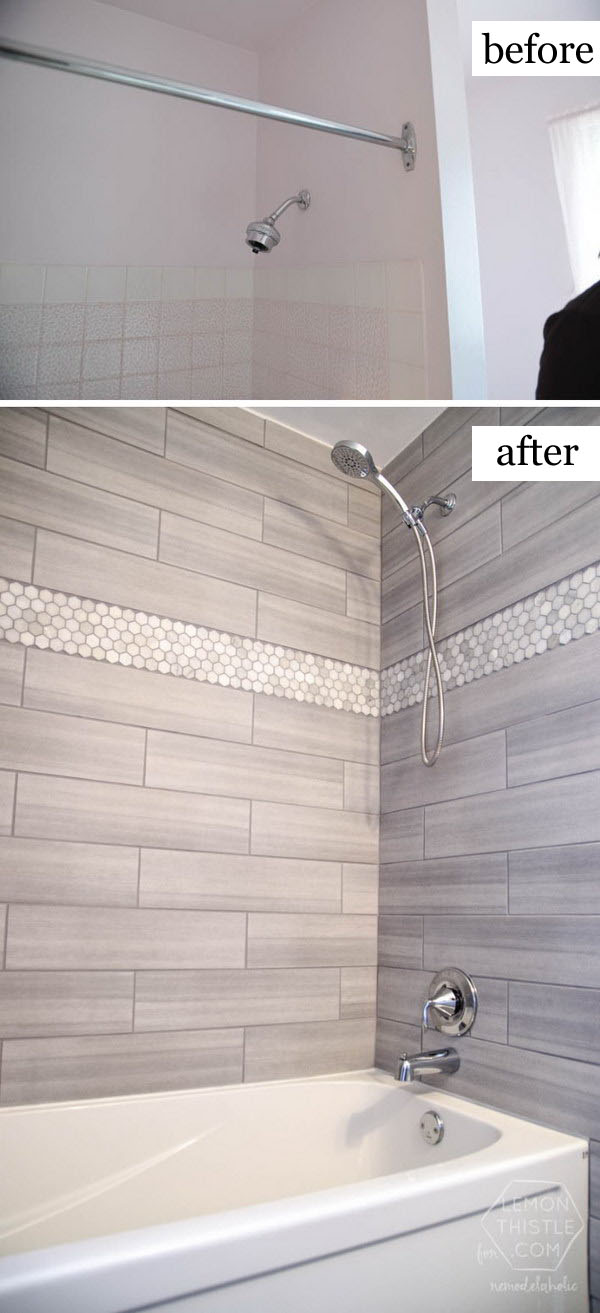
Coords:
21,284
338,284
106,283
404,285
178,283
101,359
17,370
407,382
406,337
370,284
65,283
209,284
57,363
143,283
239,282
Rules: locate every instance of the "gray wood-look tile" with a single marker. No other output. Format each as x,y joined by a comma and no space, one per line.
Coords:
472,499
561,678
555,811
51,502
359,888
190,1000
555,1091
139,426
534,506
299,446
277,1052
42,871
594,1237
232,419
143,477
363,598
364,512
559,950
38,1003
276,939
361,787
555,1019
466,884
407,459
478,541
559,880
474,766
447,461
225,555
180,761
92,1067
3,911
394,1038
358,991
556,551
53,808
563,743
68,745
7,797
451,419
192,443
322,731
400,941
227,882
55,682
12,660
313,832
402,993
294,624
402,835
402,636
121,577
296,530
16,549
23,434
107,938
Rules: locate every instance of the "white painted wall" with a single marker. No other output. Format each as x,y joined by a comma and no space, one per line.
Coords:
525,272
99,174
366,65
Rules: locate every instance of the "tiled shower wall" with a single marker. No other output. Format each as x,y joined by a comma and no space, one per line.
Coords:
141,333
490,861
189,817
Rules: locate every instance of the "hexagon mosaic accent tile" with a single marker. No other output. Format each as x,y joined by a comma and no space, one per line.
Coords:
79,626
560,614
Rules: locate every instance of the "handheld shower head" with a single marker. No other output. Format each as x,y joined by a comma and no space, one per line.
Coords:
353,459
262,235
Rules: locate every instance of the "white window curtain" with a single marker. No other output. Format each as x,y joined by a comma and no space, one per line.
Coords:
575,140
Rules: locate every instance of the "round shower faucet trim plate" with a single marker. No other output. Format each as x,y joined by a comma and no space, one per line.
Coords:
451,1005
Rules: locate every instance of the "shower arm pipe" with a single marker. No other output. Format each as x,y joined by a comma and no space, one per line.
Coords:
285,205
66,63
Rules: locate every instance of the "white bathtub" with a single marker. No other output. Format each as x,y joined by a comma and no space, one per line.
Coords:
288,1196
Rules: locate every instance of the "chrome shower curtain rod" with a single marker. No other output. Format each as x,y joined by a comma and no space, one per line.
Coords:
26,54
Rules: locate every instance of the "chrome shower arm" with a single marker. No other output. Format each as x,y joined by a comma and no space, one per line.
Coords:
302,199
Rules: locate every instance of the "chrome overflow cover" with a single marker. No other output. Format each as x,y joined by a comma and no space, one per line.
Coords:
451,1004
432,1127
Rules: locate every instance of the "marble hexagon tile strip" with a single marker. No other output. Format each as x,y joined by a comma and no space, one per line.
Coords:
80,626
559,614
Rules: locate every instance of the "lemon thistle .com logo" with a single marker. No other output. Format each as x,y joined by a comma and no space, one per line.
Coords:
533,1224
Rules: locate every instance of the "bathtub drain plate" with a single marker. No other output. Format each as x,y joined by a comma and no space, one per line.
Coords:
432,1127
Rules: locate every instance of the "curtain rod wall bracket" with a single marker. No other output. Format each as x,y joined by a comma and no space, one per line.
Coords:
26,54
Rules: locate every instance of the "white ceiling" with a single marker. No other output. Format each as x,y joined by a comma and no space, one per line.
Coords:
385,430
252,24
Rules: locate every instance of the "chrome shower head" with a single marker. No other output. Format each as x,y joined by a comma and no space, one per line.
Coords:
262,235
354,460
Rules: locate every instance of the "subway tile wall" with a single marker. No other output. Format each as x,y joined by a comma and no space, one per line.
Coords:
491,860
182,333
188,868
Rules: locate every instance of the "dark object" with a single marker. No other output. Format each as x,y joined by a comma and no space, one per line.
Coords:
570,363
